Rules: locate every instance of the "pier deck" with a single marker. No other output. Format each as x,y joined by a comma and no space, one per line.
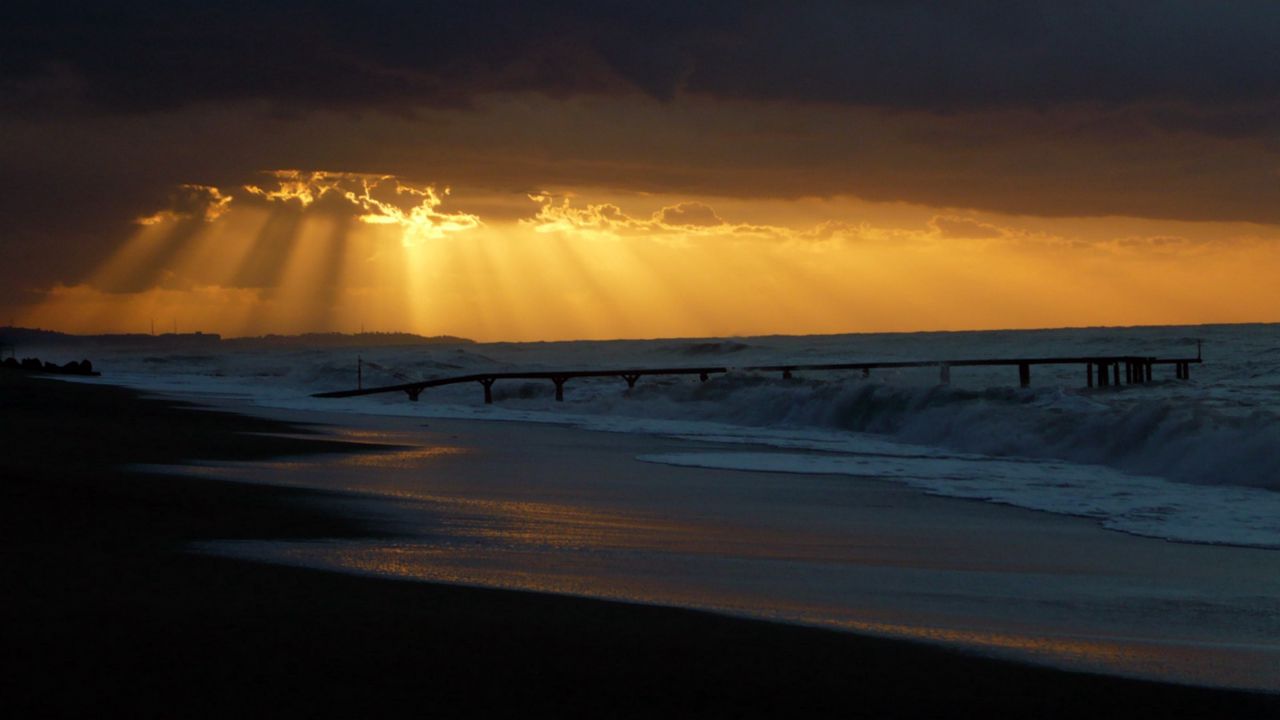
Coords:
1100,370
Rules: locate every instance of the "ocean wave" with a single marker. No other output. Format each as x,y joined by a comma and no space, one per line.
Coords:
1223,428
703,349
1179,438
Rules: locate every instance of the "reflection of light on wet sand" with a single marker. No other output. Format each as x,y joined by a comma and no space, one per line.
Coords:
1143,658
539,526
400,458
567,533
390,458
641,581
374,436
470,564
1089,651
564,527
542,525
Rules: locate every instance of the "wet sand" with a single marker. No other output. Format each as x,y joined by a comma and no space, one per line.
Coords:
105,609
536,506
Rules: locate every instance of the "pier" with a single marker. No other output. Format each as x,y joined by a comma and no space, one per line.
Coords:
1099,371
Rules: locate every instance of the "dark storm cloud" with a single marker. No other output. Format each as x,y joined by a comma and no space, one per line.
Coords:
146,56
191,202
1158,110
967,55
917,55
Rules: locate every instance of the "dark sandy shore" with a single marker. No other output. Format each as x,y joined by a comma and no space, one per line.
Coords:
103,610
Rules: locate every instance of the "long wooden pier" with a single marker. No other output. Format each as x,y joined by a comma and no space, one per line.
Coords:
1100,370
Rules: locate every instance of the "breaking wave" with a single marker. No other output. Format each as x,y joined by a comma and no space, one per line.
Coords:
1223,428
1178,438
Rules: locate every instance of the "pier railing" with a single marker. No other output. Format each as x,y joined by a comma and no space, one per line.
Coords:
1100,370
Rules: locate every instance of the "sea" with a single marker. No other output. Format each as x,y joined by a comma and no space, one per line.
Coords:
1194,460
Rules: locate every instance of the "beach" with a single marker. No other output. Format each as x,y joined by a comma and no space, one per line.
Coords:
107,606
665,359
659,521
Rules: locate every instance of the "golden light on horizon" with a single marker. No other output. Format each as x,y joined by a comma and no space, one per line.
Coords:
578,268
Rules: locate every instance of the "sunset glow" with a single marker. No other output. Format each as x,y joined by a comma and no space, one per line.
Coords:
683,186
655,359
335,253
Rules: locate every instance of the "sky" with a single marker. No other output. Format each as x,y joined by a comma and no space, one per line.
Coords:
541,171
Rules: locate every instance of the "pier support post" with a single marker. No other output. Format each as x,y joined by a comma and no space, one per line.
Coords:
1088,374
1128,372
631,379
866,372
1024,374
488,390
1149,372
944,373
413,393
559,381
1115,373
703,377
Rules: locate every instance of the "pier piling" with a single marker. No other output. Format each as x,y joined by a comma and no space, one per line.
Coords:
1182,370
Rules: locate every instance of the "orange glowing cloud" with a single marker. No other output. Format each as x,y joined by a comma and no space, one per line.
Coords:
378,199
687,218
337,251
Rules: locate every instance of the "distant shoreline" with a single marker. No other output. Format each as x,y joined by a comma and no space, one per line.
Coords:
11,335
14,337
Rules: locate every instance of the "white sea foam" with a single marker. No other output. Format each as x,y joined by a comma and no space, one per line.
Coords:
1149,506
1171,459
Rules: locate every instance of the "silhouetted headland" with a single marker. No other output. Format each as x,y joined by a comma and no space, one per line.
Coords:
36,365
